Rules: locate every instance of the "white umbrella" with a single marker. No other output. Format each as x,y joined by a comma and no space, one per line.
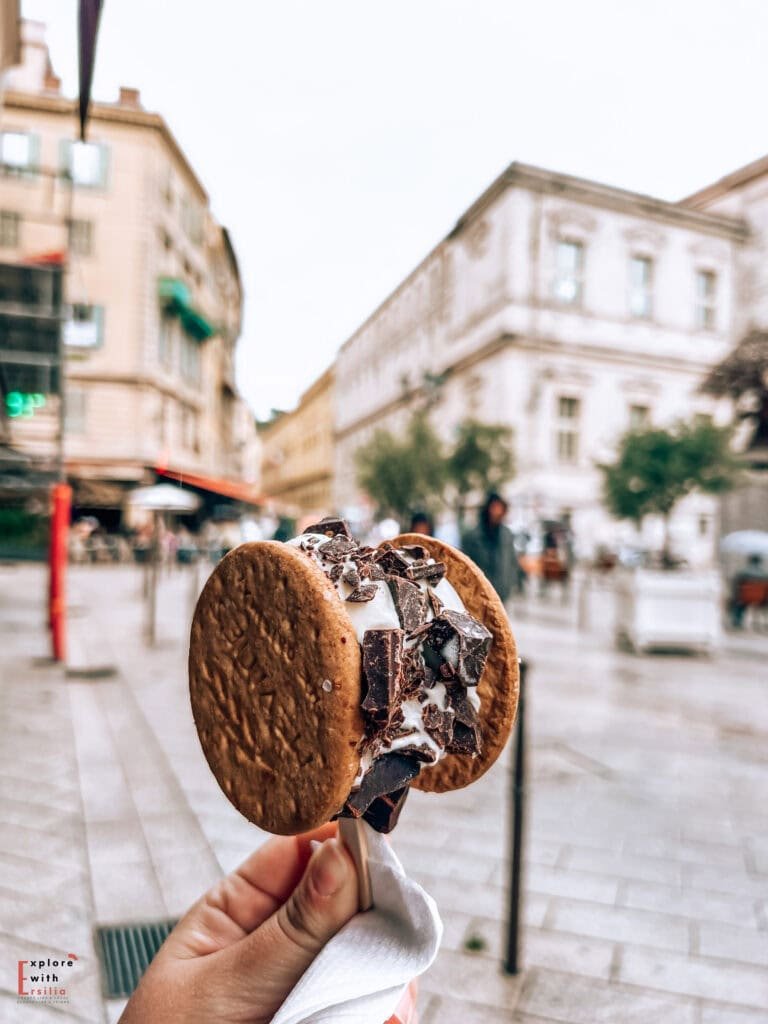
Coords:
159,498
164,498
745,542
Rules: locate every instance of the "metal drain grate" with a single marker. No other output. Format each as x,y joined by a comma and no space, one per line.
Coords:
126,951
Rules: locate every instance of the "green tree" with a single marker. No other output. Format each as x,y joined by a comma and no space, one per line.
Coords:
655,468
743,377
481,460
404,473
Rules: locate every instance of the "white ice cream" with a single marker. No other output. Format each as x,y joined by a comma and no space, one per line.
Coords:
380,613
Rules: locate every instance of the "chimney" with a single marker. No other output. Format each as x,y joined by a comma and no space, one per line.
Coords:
129,97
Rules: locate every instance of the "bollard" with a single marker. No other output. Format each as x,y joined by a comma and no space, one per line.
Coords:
517,785
61,502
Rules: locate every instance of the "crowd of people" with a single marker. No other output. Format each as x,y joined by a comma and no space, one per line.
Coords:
514,562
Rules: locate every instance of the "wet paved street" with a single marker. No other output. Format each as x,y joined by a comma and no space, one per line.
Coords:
646,875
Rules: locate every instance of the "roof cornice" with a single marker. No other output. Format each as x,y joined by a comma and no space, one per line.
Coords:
106,112
741,176
593,193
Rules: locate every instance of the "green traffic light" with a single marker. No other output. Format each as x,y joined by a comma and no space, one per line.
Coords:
23,404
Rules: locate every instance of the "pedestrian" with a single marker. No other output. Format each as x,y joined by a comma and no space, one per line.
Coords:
421,522
491,546
755,573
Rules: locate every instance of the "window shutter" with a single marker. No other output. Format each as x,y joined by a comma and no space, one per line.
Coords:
65,156
104,167
98,316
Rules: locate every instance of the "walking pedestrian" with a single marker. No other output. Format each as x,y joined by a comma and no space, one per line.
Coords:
491,546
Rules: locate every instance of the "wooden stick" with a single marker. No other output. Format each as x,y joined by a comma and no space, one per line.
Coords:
352,832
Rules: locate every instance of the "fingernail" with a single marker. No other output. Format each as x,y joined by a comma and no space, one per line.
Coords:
314,844
329,868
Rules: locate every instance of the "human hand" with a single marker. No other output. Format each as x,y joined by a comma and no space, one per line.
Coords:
239,951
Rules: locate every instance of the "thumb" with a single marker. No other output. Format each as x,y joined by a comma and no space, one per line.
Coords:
272,958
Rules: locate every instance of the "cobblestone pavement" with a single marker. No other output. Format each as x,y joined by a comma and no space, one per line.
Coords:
646,871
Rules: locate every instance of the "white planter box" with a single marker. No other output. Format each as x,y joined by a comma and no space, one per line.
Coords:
675,609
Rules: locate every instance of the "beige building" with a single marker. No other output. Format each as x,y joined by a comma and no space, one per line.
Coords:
297,466
152,288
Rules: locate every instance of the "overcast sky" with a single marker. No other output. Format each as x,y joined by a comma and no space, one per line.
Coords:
340,140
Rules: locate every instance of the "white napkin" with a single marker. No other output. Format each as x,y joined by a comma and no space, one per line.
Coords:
361,974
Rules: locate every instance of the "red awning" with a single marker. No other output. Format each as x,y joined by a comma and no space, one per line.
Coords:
228,488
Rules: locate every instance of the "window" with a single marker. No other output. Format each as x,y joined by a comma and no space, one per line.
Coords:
706,300
81,237
189,359
165,338
84,327
640,287
569,273
639,417
192,220
86,162
9,229
166,186
567,433
189,429
18,151
75,410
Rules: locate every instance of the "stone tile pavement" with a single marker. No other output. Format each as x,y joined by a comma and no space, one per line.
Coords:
646,874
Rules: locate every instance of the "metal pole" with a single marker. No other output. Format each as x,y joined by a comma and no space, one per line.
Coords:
512,961
153,572
61,499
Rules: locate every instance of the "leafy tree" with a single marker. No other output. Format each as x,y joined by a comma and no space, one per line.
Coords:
402,474
413,471
743,377
655,468
481,460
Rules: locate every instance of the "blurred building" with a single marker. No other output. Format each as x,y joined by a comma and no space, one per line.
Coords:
298,453
570,311
152,289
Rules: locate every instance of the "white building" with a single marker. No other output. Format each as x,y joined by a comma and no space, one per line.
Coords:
569,310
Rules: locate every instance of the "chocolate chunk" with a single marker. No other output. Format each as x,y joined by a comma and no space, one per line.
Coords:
420,632
393,724
337,549
351,577
391,561
415,551
415,673
421,752
371,571
460,705
434,602
383,813
387,774
465,740
365,592
447,671
335,572
474,642
330,526
410,602
382,669
433,572
438,724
